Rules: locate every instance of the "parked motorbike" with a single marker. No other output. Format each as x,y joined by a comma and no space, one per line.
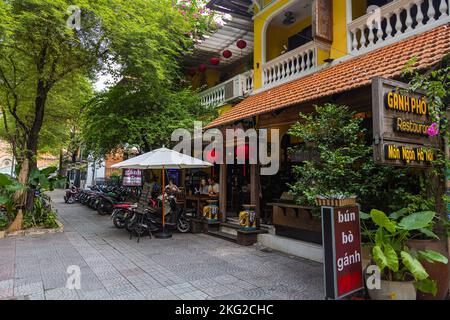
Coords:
72,195
120,214
150,220
108,200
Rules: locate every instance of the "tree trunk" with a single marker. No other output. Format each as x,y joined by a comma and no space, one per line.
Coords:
20,198
33,136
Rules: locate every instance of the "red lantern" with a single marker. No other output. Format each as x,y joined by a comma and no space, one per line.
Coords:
192,72
215,61
212,156
241,44
202,68
242,152
227,54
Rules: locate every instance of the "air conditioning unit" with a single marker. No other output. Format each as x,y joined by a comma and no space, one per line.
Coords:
234,88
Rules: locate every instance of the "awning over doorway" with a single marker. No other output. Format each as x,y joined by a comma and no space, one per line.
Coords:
427,48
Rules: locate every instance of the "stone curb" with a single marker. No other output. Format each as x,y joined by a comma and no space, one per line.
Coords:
33,231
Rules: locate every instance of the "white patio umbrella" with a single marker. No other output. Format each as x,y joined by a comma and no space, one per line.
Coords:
163,159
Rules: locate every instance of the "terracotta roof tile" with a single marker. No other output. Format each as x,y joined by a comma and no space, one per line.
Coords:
429,48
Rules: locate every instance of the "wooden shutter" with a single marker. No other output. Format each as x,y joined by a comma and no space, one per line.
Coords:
323,20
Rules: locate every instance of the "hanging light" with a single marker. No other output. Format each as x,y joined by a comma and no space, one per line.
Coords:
215,61
202,68
212,156
227,54
241,44
192,72
243,154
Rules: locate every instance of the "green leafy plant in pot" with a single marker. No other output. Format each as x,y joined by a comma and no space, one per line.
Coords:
431,237
400,266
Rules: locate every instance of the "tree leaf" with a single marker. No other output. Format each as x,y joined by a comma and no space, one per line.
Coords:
379,257
5,180
398,214
4,199
364,216
391,258
429,233
426,286
433,256
414,266
417,220
380,219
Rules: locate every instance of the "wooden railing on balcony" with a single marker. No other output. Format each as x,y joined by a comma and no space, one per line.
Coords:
394,21
290,65
235,88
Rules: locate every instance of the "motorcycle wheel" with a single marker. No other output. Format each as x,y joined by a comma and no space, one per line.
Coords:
183,225
119,220
71,200
104,208
95,205
129,223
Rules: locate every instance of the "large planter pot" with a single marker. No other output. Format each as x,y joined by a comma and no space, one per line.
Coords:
366,257
437,271
394,290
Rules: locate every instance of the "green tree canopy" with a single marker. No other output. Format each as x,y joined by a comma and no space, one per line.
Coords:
43,54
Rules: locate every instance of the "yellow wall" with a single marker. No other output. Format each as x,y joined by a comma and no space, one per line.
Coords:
276,37
211,77
224,109
339,46
260,20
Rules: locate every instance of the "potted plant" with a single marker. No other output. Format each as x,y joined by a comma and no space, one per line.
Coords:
433,237
400,266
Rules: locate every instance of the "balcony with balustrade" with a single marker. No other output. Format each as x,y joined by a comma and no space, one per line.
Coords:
395,21
230,91
291,49
292,65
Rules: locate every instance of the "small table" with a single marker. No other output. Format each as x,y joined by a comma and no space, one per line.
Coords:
198,198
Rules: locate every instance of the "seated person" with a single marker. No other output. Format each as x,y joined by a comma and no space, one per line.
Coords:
203,187
171,187
213,187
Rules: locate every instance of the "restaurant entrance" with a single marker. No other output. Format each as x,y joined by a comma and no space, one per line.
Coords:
238,188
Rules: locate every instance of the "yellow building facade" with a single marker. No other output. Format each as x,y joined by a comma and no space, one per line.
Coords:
298,54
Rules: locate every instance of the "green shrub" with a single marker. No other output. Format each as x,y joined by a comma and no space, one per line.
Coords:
4,222
344,164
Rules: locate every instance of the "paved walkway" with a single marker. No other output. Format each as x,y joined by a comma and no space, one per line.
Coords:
187,266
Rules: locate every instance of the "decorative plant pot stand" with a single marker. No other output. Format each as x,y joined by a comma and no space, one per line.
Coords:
211,211
247,238
211,226
248,233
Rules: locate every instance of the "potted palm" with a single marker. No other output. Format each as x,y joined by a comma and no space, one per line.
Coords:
400,266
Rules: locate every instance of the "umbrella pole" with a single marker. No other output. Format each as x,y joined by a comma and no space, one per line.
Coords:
163,196
163,234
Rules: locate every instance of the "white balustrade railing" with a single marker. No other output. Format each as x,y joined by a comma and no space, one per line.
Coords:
396,20
235,88
290,65
247,82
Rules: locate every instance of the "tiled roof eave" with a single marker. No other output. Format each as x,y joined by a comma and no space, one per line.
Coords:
429,48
